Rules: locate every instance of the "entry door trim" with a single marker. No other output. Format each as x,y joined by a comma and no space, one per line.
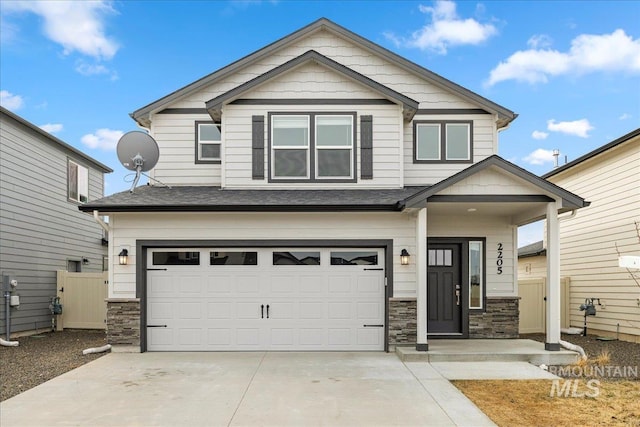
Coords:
143,245
464,279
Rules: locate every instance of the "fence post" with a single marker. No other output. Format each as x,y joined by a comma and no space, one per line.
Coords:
61,275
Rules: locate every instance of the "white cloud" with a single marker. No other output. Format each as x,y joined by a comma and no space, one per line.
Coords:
536,134
579,128
539,41
76,25
624,116
446,29
52,127
10,101
540,157
105,139
615,52
94,70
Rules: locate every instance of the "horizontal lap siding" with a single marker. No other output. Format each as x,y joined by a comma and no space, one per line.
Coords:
41,229
495,230
429,174
263,226
175,135
611,182
386,151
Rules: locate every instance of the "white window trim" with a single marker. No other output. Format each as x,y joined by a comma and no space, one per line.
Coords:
423,125
468,157
199,143
275,147
350,147
481,274
82,177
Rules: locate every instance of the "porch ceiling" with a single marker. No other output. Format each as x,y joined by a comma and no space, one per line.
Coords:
518,213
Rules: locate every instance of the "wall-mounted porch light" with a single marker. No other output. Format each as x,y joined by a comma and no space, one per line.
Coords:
404,257
123,257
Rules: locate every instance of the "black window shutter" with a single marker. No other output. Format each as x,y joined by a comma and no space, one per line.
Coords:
257,147
366,147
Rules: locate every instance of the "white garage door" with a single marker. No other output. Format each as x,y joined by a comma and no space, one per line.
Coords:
265,299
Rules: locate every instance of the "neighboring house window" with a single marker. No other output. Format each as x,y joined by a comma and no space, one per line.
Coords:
441,142
312,147
208,142
78,180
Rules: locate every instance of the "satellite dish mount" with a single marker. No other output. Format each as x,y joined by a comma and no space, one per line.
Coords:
138,152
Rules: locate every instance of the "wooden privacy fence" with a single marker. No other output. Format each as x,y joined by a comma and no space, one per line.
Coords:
532,304
82,296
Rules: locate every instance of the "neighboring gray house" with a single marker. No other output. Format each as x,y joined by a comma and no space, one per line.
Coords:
42,182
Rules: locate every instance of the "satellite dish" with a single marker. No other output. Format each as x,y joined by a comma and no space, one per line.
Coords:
138,152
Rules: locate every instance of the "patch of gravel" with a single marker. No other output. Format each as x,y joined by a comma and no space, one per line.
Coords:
42,357
621,353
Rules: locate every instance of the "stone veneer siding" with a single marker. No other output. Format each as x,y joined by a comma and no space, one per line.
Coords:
402,321
500,320
123,321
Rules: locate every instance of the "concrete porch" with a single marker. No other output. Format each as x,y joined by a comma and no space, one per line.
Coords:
487,350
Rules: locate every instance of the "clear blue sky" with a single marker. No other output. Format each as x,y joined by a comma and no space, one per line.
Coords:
571,70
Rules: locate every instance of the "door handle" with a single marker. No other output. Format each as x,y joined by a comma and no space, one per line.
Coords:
267,311
262,311
457,297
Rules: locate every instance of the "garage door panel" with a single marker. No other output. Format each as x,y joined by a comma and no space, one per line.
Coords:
220,310
340,310
224,307
368,310
312,285
340,284
312,310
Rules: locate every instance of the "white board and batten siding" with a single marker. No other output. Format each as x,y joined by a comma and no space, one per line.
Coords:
611,182
41,228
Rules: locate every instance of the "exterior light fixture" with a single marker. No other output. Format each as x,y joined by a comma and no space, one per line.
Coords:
123,257
404,257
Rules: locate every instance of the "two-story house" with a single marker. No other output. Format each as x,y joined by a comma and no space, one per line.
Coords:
325,194
43,180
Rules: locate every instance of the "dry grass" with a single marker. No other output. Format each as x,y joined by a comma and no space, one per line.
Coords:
528,403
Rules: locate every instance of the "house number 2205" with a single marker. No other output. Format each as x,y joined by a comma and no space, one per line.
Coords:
499,260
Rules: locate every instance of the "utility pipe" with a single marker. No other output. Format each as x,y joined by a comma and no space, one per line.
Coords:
573,347
9,343
97,349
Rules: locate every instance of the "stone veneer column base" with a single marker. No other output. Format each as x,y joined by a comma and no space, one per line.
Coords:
402,321
123,321
500,320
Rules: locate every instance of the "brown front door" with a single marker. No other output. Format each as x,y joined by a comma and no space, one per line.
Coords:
444,289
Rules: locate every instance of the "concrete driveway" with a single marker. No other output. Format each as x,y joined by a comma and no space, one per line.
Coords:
244,389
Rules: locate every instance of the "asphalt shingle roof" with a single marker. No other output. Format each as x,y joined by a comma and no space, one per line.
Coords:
209,198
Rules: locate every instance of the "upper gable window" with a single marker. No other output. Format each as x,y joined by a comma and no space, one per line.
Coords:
77,182
208,142
442,141
312,147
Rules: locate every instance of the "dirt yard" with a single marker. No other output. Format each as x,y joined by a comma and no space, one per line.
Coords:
529,403
42,357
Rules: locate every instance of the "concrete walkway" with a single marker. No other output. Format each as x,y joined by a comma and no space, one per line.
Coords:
242,389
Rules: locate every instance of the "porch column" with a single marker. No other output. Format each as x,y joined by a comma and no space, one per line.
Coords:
552,340
421,277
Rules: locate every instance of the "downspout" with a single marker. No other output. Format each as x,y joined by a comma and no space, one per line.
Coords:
99,220
566,344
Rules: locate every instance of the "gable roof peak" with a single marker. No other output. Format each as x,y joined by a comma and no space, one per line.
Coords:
505,115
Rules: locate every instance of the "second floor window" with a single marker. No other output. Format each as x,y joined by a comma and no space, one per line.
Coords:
78,182
312,147
208,142
439,142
